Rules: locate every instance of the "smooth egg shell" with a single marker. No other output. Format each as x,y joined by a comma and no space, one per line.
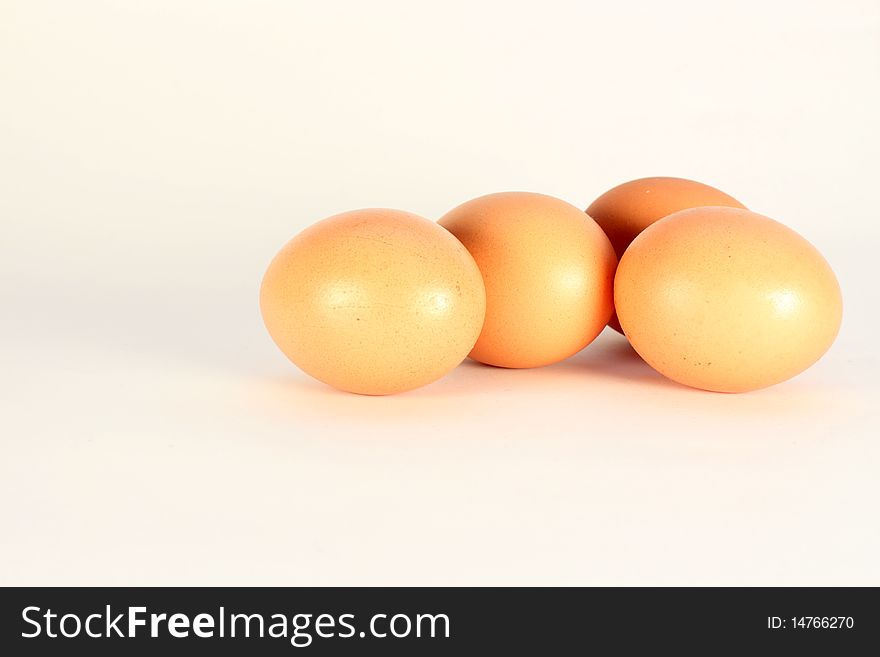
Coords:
548,271
374,301
727,300
626,210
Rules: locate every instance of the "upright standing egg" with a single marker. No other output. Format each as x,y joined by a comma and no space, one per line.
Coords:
374,301
725,299
626,210
548,271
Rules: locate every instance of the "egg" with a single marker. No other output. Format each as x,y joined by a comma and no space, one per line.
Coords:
374,301
548,271
725,299
626,210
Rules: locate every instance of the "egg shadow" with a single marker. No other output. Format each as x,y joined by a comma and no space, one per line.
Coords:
611,356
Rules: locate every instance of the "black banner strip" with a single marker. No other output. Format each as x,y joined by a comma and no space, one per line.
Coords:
440,621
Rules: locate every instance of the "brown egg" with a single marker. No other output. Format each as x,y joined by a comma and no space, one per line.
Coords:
626,210
725,299
374,301
548,271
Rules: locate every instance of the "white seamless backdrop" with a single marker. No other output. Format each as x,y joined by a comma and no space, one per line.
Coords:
154,156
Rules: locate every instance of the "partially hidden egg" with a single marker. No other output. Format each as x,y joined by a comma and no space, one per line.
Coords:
626,210
548,271
725,299
374,301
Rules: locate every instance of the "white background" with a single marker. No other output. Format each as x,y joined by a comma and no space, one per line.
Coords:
155,155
